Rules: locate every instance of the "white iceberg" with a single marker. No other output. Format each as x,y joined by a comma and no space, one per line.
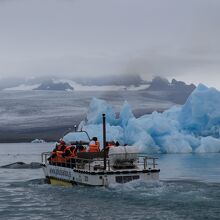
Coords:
209,145
37,141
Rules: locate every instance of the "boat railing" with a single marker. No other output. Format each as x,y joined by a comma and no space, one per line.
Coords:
94,164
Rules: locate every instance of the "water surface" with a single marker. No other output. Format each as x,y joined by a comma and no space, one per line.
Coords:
189,188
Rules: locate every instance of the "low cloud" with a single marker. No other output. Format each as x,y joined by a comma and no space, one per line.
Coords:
80,38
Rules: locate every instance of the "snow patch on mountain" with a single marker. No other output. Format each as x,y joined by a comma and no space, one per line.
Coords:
22,87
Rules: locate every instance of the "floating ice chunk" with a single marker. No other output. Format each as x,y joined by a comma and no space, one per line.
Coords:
193,141
201,111
125,114
173,113
135,134
96,108
175,143
37,141
158,124
209,145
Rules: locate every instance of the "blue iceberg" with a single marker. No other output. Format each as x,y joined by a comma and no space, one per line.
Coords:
201,112
191,128
96,108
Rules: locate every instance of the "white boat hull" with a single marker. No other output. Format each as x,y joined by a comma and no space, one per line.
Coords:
58,175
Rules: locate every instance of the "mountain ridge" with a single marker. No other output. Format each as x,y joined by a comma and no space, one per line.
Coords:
119,83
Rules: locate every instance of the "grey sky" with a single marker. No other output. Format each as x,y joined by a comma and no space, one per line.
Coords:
172,38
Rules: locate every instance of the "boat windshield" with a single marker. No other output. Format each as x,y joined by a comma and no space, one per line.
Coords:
80,136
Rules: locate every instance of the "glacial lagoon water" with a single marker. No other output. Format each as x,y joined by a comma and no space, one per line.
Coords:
189,188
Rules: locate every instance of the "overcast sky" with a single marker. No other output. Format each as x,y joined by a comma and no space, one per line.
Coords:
171,38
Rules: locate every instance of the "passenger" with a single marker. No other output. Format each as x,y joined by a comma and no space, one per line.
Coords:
70,151
117,144
81,147
110,144
57,158
94,145
61,145
73,152
60,158
52,156
69,155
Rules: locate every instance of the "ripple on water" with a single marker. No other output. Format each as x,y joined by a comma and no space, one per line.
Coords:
137,200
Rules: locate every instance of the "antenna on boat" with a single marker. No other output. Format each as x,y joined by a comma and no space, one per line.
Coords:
104,139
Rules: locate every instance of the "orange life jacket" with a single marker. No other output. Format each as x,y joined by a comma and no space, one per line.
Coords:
94,146
71,155
58,158
83,149
66,149
61,147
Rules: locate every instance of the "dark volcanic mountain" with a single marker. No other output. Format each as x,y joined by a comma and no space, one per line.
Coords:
175,91
50,85
159,83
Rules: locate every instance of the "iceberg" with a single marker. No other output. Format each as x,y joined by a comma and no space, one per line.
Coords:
37,141
96,108
201,112
125,114
191,128
209,144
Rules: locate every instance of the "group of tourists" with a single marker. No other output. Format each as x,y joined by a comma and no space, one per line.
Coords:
62,152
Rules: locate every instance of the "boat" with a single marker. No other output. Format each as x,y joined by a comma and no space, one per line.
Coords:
118,165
